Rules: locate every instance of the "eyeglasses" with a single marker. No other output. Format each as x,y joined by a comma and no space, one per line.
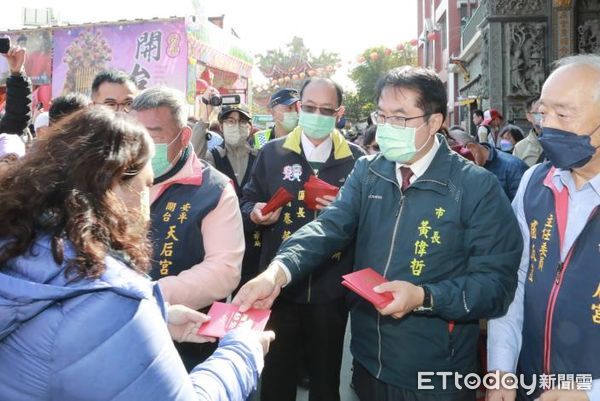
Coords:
126,105
394,121
322,110
230,122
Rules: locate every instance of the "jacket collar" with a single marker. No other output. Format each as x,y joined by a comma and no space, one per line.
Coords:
341,149
435,178
190,173
492,152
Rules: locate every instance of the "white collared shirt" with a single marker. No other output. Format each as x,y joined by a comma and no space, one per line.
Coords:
420,166
316,154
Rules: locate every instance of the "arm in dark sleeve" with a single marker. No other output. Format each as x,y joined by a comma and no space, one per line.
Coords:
256,190
517,170
334,229
18,105
493,244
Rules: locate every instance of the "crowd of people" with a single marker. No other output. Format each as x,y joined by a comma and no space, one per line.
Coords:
124,220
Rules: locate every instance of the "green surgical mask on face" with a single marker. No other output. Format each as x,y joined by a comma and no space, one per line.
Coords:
160,160
397,144
290,121
316,126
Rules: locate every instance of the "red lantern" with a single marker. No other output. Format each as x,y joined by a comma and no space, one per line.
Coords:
374,56
432,36
388,52
414,42
400,47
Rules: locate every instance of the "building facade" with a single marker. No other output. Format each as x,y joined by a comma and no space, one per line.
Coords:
508,46
497,53
439,30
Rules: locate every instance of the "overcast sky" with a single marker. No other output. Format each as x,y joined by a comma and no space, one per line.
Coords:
345,27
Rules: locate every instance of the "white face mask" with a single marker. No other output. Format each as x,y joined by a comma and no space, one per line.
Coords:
234,136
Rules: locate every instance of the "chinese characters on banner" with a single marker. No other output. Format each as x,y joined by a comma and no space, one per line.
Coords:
153,53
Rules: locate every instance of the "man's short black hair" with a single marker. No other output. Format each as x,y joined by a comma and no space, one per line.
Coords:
65,105
478,113
113,77
338,88
529,103
432,96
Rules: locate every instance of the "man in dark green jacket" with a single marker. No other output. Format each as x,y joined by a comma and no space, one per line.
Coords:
435,225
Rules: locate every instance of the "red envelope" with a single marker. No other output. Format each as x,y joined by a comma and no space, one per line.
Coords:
316,188
281,197
225,317
362,283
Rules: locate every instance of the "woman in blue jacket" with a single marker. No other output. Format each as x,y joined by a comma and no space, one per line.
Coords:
79,320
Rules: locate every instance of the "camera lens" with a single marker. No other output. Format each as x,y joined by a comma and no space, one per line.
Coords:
215,100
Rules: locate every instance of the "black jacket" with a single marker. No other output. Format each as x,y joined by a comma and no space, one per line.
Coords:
18,106
271,171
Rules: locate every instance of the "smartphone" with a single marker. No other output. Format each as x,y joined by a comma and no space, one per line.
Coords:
4,45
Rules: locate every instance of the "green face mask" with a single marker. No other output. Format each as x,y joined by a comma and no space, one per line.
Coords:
160,161
316,126
397,144
290,121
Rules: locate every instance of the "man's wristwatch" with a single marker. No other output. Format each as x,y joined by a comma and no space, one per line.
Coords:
427,301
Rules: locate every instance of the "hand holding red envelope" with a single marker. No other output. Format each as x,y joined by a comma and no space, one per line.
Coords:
225,317
281,197
316,188
363,281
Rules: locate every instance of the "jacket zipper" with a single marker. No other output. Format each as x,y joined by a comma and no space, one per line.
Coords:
387,265
310,274
309,292
562,266
560,274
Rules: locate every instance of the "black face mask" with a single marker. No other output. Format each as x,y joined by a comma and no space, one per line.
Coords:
567,150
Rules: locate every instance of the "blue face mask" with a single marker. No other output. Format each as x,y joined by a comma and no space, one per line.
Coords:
506,145
567,150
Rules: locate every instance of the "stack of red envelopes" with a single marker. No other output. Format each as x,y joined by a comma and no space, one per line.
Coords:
316,188
225,317
281,197
362,283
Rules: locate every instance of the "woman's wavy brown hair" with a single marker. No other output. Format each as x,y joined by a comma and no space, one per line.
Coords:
63,188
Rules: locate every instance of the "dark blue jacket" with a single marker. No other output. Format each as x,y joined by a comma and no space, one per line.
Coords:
507,168
103,339
560,321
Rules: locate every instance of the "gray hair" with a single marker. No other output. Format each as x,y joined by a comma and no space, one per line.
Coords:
162,96
590,60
